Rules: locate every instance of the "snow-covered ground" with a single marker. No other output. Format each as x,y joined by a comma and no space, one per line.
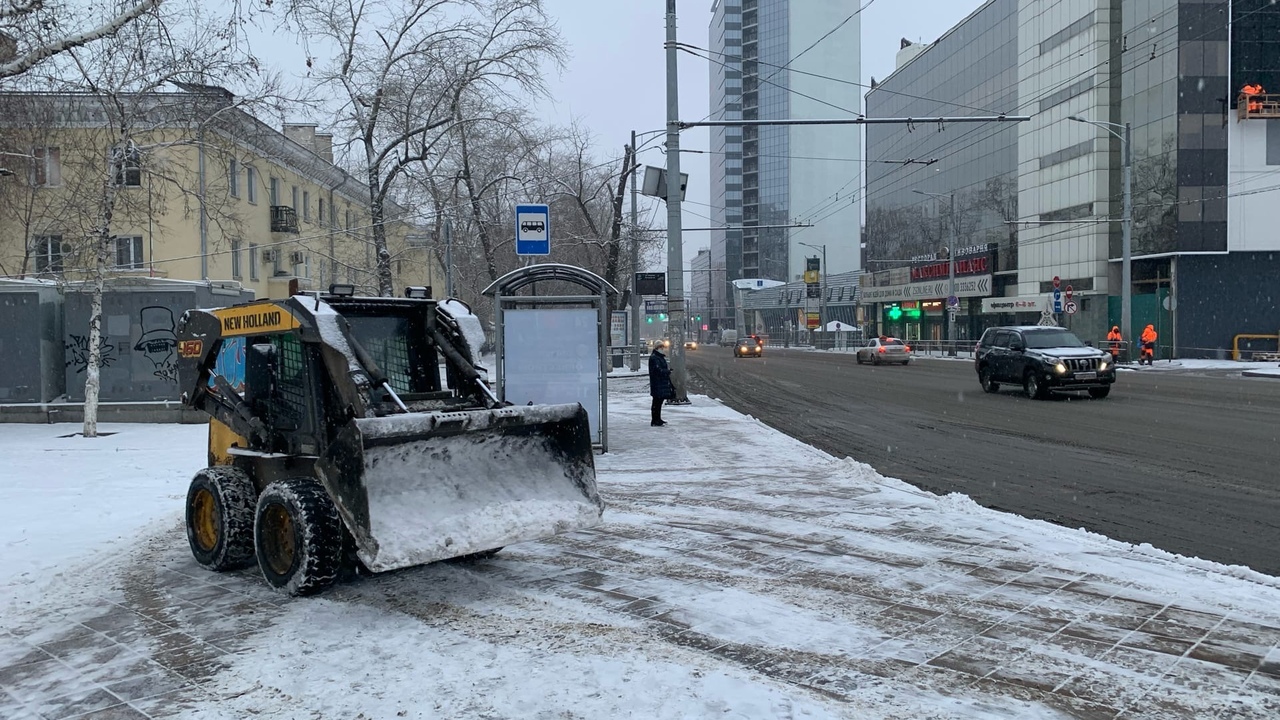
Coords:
739,574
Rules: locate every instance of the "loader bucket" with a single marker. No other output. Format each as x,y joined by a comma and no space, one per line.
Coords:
422,487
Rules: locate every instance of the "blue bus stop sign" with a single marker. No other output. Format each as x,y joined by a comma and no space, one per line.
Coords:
533,230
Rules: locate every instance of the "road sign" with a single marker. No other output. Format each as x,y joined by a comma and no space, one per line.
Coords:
533,230
1057,300
953,301
1071,307
655,307
1069,292
1057,281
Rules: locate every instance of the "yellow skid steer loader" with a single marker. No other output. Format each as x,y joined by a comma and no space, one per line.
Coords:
333,433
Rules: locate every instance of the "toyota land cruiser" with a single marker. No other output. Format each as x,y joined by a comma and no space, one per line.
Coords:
1042,360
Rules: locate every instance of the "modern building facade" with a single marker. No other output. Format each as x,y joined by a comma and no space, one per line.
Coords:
1172,71
230,201
914,170
777,60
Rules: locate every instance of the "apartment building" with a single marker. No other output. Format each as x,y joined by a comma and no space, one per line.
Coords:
202,190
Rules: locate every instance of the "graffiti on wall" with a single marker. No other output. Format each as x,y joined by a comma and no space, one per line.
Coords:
78,352
230,363
159,342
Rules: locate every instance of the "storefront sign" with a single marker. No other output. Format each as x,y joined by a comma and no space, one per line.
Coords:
972,260
1014,304
973,286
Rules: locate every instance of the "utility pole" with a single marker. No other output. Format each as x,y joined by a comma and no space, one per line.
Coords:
675,239
951,281
822,278
635,260
951,271
1126,226
448,258
1126,244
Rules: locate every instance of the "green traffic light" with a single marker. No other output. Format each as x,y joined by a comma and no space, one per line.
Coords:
649,320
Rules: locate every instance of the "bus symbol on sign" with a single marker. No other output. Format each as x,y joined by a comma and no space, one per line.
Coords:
533,230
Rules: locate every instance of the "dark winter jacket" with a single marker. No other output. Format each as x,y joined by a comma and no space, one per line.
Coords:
660,377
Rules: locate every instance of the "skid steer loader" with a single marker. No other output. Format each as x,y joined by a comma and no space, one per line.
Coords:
333,435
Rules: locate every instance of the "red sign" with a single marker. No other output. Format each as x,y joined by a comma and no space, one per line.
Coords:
964,266
1068,292
1056,281
811,320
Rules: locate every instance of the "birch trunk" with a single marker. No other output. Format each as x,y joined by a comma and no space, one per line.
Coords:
92,373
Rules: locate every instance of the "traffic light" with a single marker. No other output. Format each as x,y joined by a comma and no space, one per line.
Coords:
649,319
662,316
698,318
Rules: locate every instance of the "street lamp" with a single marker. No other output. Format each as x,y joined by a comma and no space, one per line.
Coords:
951,271
822,299
1126,242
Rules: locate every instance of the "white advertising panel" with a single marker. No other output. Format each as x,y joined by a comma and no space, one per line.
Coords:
553,356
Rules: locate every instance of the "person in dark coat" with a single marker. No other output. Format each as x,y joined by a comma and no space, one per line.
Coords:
660,386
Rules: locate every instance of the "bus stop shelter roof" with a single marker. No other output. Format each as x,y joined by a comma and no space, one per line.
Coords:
513,281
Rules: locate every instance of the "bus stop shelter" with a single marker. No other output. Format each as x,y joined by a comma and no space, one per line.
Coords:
553,347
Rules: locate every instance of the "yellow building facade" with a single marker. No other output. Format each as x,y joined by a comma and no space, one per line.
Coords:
200,190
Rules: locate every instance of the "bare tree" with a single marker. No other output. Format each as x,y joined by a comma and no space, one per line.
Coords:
121,93
401,69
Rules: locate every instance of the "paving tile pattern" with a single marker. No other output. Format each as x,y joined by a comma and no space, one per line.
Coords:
971,617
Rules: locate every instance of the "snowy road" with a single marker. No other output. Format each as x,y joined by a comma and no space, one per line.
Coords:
739,574
1183,459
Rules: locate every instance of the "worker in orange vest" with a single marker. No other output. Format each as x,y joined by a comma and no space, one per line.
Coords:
1115,338
1251,93
1148,345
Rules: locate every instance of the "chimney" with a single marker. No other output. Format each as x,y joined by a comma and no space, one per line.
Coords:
324,146
301,133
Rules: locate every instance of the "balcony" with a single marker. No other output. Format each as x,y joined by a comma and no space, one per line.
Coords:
1266,106
284,219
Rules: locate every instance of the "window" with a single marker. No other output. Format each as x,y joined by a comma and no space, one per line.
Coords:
126,166
233,177
348,218
320,212
129,252
253,261
251,184
306,205
293,197
273,191
48,252
46,168
236,267
333,215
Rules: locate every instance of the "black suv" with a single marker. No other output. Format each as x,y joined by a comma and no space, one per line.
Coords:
1042,360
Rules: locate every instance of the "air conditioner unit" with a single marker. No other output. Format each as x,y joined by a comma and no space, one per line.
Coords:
270,255
295,257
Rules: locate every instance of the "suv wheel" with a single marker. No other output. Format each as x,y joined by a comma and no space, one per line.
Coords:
984,379
1099,392
1035,389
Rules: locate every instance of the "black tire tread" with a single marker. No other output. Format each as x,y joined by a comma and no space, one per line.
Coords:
236,497
320,528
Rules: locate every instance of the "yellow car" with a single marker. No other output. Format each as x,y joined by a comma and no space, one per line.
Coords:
690,344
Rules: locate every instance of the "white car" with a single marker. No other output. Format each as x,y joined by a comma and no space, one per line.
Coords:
884,350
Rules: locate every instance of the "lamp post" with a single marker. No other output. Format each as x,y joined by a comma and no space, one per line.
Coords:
822,299
635,244
1126,227
951,271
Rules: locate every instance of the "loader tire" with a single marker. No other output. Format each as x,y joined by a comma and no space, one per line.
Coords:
298,536
220,508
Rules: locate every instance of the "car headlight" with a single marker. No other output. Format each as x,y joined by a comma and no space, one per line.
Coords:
1060,368
1103,365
